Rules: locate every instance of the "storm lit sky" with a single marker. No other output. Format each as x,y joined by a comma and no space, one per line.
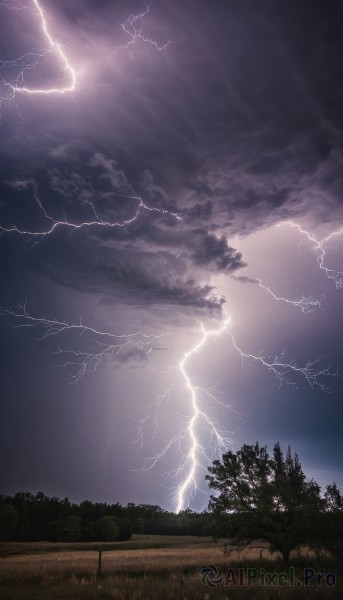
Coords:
187,162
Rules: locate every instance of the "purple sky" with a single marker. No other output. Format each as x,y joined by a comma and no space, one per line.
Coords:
230,131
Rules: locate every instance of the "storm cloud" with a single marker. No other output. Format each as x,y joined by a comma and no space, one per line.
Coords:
179,153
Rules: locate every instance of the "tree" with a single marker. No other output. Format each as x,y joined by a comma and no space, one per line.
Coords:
9,519
65,529
268,498
333,498
331,534
106,529
124,529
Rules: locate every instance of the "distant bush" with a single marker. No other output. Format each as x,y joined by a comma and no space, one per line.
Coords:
125,528
105,529
65,529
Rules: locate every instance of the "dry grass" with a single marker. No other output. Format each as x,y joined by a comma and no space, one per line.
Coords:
170,571
137,541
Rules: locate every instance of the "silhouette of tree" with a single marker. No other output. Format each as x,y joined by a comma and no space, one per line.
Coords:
266,498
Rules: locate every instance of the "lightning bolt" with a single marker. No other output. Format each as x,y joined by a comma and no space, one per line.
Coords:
278,365
31,61
107,343
132,26
38,236
320,247
191,459
285,371
197,455
305,303
86,224
110,345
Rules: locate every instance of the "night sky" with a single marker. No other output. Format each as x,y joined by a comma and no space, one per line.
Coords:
197,154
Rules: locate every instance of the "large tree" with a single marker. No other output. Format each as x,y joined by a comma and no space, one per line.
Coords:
266,497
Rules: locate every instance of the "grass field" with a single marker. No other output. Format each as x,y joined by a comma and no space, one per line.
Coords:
147,568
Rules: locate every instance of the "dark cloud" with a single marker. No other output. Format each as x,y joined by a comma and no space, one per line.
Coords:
253,133
144,263
244,279
214,252
131,278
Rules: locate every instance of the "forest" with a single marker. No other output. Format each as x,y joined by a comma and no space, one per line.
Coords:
37,517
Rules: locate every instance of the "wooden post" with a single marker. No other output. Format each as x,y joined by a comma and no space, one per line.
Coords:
99,564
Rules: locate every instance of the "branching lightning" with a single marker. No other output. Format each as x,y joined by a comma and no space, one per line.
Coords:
284,370
197,456
108,344
133,26
320,247
305,303
29,62
192,460
194,455
37,236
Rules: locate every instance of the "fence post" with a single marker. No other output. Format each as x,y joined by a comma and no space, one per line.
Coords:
99,564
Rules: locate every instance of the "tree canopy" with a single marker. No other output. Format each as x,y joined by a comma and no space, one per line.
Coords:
270,499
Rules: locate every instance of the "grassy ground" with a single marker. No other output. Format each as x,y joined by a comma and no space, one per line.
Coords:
146,568
138,542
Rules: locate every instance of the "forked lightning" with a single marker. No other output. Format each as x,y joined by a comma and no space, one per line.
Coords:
29,62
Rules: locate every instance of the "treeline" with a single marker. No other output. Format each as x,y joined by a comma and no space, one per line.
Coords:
29,517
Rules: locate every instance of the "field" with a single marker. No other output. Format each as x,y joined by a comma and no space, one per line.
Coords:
150,568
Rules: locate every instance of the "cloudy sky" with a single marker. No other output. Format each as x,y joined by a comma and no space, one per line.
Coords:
196,146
